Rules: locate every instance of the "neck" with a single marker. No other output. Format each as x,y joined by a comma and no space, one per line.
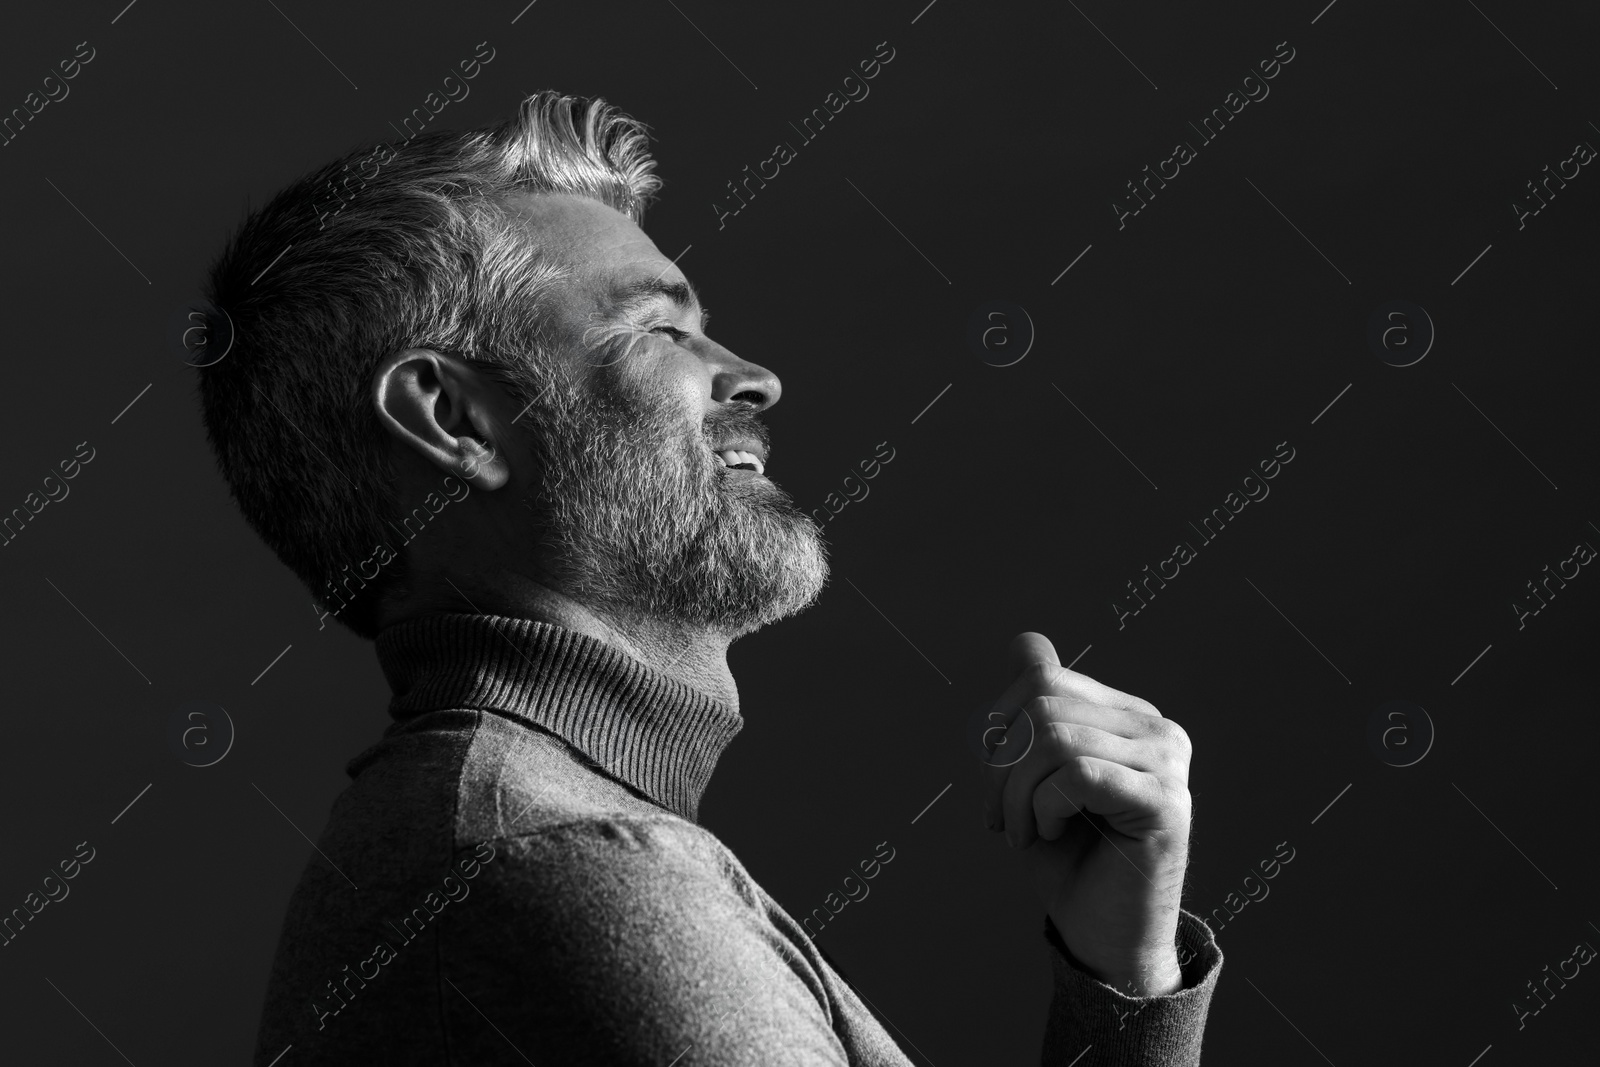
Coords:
694,655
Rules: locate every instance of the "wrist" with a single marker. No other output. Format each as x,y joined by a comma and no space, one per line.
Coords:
1152,973
1147,978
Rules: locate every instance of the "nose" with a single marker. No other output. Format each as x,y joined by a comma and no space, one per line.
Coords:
733,378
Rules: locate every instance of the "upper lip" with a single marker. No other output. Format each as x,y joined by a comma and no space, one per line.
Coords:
742,444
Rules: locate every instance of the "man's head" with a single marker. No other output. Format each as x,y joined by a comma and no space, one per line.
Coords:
460,364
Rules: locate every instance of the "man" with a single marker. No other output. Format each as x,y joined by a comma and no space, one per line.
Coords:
475,408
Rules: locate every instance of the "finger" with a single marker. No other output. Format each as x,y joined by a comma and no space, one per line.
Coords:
1009,743
1039,673
1133,803
1009,734
1023,734
1006,735
1124,722
1046,679
1027,649
1058,744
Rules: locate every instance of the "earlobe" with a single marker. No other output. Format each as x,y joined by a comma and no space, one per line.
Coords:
480,465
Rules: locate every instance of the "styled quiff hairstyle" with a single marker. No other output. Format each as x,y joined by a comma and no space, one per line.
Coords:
390,247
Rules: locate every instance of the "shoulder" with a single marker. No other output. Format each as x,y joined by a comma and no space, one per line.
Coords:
615,868
629,934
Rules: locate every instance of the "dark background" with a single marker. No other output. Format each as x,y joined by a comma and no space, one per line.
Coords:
1214,326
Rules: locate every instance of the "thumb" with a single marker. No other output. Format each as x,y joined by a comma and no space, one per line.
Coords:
1029,648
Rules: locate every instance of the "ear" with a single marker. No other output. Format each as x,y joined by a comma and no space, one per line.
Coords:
443,409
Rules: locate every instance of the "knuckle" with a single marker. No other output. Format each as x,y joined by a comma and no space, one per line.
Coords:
1085,771
1064,735
1170,733
1037,707
1176,803
1039,675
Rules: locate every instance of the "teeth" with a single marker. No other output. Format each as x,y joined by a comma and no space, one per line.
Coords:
735,458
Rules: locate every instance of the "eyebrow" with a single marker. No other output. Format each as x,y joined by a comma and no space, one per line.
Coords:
631,295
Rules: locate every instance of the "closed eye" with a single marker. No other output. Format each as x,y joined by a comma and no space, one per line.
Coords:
671,331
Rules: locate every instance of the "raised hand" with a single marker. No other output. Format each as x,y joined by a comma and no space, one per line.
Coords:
1111,879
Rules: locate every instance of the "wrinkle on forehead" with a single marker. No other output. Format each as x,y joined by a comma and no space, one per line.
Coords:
574,220
594,241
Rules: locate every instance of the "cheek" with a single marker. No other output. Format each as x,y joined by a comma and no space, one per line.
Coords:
657,376
677,390
609,353
666,390
689,380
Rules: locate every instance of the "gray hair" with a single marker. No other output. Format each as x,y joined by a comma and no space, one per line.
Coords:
384,249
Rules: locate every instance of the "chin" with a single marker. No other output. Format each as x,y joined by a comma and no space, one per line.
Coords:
773,561
675,534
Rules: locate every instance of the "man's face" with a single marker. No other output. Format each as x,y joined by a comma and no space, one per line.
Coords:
631,507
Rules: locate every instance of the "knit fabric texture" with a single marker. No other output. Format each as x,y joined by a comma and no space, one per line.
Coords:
516,875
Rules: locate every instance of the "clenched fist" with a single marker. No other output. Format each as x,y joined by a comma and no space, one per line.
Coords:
1100,807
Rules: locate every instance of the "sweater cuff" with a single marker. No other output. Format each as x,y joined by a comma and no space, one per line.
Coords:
1116,1030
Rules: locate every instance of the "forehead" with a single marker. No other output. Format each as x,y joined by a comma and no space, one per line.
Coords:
601,245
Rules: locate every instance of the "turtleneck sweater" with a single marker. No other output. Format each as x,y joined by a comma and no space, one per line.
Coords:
516,874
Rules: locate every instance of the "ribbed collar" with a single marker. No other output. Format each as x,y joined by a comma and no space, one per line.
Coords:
657,734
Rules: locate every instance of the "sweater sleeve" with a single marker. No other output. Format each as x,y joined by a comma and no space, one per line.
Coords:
1116,1030
620,942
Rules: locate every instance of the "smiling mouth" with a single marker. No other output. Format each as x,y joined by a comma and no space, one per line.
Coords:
741,461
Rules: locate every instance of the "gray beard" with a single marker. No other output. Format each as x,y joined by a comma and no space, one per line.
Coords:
634,515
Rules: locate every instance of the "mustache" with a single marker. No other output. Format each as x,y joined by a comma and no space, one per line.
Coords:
737,420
